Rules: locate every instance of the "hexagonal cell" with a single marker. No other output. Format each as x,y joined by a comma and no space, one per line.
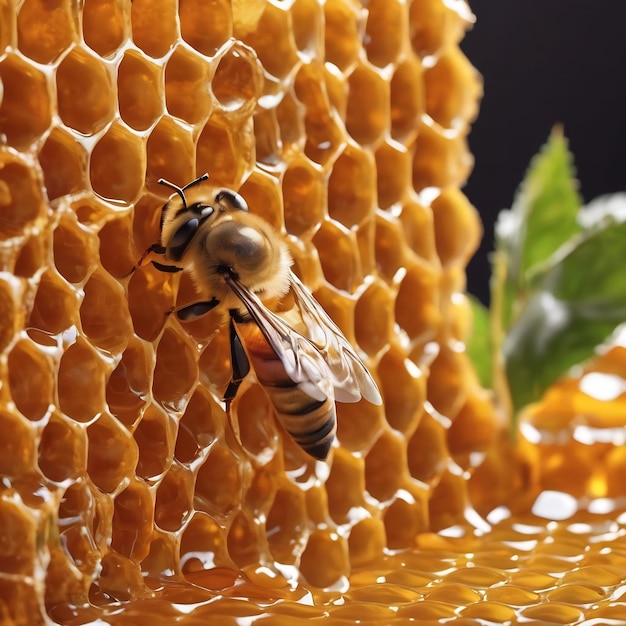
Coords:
19,541
419,230
325,560
128,386
448,501
112,453
449,380
118,165
440,161
54,306
373,318
352,187
11,315
173,504
84,92
290,119
406,95
405,518
120,578
359,425
117,254
218,484
306,21
139,90
198,427
155,435
176,370
417,302
45,30
77,512
154,25
214,363
303,197
262,193
243,541
226,153
343,22
391,254
286,525
150,297
256,422
345,487
187,84
385,466
269,150
367,124
272,40
90,211
29,369
146,218
132,522
62,450
18,455
367,542
81,382
393,173
455,245
206,26
427,451
25,108
203,545
339,256
386,25
32,255
63,161
104,25
435,25
452,90
104,314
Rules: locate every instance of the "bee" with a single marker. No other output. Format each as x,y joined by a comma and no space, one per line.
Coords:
239,261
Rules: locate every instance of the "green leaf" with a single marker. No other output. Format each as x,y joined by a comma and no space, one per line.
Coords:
478,345
580,298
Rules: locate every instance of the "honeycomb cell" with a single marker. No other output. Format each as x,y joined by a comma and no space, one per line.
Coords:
8,313
391,257
118,577
84,88
342,21
393,173
426,450
303,197
452,90
29,369
286,525
385,465
407,98
405,518
266,136
272,40
258,430
373,313
417,303
74,249
418,226
150,297
340,260
306,20
386,23
81,368
104,25
448,380
351,187
62,450
63,161
104,314
117,255
17,543
154,26
155,435
31,257
367,542
128,386
118,164
345,487
90,211
290,119
198,427
176,370
18,452
243,541
111,453
132,522
448,501
367,124
403,387
206,26
455,246
139,90
448,163
218,484
54,306
173,504
25,107
358,425
325,559
226,153
202,545
262,193
44,29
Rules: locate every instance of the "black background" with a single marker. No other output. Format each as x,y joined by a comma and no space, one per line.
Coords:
545,62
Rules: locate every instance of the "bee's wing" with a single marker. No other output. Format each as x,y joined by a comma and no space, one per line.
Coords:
350,376
301,359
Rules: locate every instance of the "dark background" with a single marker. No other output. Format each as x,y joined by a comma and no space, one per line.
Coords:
545,62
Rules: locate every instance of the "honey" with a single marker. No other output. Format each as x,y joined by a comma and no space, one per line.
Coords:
127,493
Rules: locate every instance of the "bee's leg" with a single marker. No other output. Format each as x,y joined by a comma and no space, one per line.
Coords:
239,365
192,311
155,248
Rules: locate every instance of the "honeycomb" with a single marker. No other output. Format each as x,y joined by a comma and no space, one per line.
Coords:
127,493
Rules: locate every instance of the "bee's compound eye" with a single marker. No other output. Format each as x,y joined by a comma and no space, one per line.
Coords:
235,200
181,238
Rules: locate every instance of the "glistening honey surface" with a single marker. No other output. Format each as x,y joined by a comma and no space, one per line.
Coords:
126,493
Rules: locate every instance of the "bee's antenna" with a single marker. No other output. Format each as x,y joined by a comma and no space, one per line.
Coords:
181,190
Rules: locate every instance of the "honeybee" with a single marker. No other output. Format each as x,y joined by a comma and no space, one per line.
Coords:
241,263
